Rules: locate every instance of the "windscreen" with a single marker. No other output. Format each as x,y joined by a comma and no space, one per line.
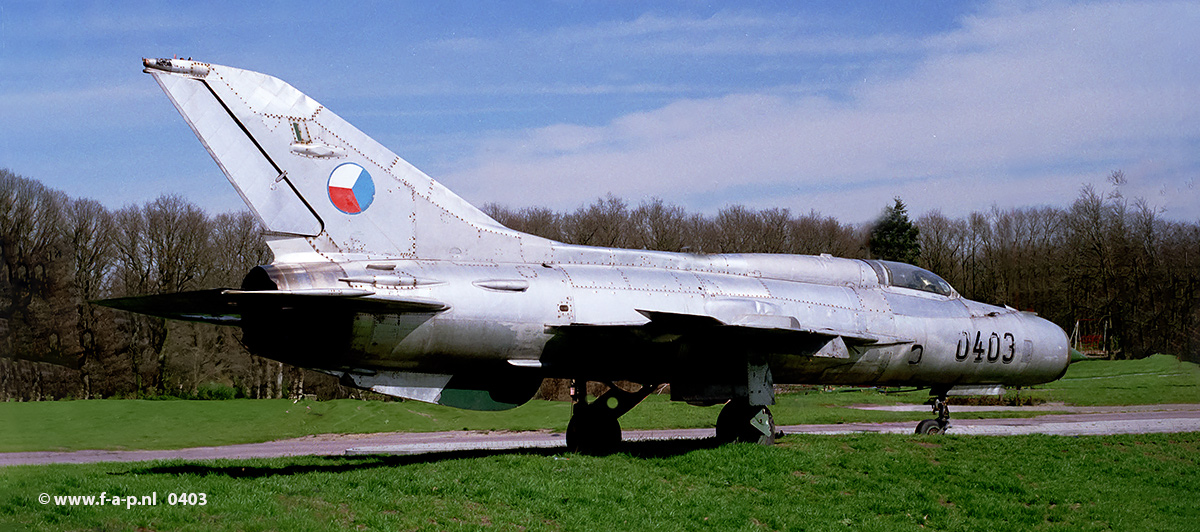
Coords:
909,276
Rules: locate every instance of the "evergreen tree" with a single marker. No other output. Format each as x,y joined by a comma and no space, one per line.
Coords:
895,237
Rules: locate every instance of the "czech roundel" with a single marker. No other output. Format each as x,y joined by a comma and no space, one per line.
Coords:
350,188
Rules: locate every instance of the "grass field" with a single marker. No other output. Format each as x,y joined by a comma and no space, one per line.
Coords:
859,482
1159,379
140,424
173,424
807,482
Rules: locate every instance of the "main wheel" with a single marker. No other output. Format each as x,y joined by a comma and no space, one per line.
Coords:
591,432
930,426
739,421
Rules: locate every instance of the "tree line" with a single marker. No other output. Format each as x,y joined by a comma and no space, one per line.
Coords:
1104,260
57,253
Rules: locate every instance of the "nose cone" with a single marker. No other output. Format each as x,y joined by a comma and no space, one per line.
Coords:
1051,350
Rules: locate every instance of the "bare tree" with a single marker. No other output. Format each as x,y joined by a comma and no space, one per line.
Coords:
658,226
603,223
238,246
942,245
813,234
739,230
89,233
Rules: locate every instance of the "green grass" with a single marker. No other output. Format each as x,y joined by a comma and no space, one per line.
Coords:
139,424
857,482
1159,379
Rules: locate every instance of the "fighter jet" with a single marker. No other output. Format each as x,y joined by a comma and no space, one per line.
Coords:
391,282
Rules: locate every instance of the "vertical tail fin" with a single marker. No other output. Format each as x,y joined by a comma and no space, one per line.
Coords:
309,175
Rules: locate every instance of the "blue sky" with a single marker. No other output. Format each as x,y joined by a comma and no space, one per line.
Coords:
957,106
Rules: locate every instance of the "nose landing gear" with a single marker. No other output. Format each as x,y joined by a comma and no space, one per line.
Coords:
939,424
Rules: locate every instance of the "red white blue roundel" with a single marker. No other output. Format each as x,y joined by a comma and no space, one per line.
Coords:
350,188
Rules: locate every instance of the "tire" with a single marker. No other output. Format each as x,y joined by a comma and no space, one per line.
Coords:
930,426
735,423
592,433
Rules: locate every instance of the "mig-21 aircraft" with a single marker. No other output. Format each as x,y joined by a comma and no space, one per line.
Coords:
391,282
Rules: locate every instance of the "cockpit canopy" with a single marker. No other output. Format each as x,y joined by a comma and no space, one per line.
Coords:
909,276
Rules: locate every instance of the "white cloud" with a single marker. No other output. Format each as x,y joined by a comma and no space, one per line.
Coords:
1013,108
679,37
723,33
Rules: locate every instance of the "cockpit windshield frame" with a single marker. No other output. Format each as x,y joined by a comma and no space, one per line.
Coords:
903,275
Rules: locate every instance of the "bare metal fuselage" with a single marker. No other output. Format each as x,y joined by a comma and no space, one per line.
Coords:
507,316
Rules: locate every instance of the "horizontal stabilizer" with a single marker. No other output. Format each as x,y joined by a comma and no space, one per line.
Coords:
335,299
224,306
208,306
302,292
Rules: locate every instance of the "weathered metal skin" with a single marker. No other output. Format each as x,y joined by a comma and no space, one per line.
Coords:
384,277
948,340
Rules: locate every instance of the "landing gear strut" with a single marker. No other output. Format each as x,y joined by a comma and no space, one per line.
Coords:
740,421
594,428
938,425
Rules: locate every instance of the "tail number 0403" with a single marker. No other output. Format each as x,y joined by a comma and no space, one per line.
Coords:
996,346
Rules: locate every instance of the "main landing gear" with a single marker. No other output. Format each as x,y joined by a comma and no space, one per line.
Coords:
740,421
938,425
593,428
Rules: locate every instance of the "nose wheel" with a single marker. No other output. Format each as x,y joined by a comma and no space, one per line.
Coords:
939,424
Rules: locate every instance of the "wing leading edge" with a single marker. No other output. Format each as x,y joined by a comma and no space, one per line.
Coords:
772,333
